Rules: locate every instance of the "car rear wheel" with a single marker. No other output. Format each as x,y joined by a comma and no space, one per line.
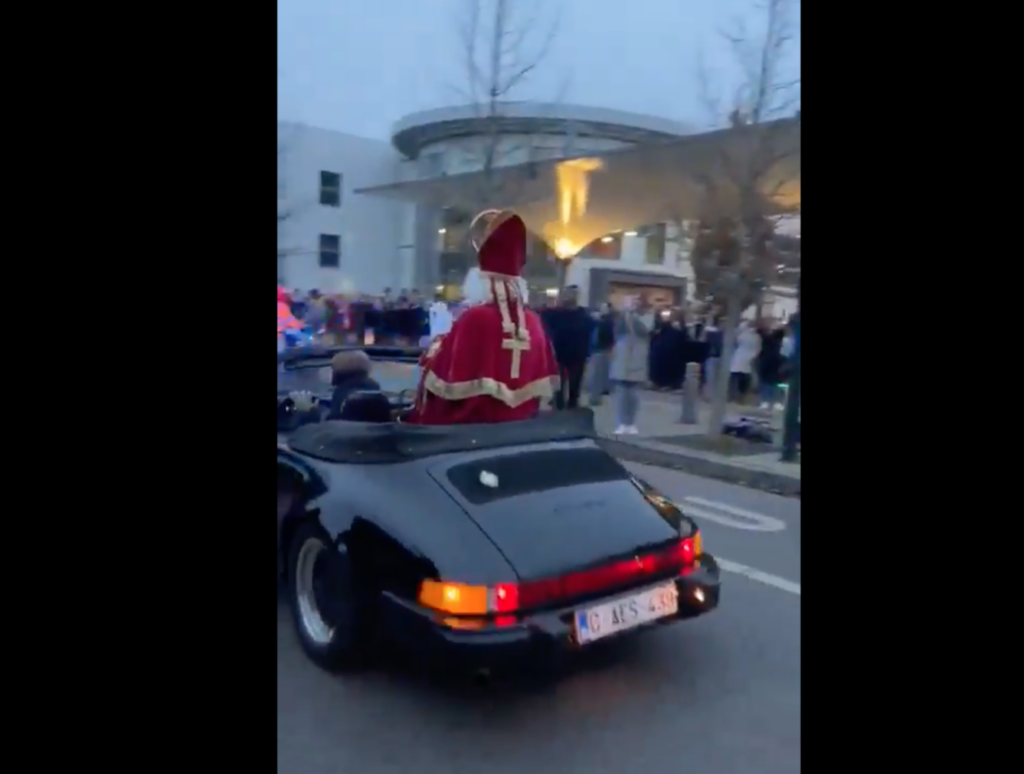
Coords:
329,613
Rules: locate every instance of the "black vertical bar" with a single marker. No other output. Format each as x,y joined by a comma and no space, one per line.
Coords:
791,422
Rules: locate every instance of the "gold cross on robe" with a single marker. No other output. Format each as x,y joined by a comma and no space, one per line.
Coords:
518,348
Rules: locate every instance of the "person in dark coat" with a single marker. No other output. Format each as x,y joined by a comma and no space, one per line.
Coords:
357,322
569,327
334,321
600,355
668,351
655,359
350,373
373,320
769,366
678,350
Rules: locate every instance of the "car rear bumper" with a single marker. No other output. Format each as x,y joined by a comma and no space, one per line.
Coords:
540,640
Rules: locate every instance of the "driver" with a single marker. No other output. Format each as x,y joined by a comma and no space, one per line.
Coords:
350,372
495,364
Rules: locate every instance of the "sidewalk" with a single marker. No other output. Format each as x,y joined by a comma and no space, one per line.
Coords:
664,441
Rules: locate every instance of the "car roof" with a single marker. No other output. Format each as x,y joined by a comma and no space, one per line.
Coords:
394,442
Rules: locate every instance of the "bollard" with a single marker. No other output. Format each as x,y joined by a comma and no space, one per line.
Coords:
691,394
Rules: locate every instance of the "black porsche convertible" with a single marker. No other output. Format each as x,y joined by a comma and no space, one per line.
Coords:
487,546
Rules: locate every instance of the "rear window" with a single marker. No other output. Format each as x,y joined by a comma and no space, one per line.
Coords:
392,376
496,478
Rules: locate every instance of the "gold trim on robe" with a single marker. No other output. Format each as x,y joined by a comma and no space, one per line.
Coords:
541,388
492,225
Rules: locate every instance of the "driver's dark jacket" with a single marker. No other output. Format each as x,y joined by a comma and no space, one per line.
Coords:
345,386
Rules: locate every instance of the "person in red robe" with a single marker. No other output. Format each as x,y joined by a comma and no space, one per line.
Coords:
285,319
495,364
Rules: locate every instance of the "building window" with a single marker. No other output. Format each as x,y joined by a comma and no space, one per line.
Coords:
454,230
608,248
330,189
330,251
655,247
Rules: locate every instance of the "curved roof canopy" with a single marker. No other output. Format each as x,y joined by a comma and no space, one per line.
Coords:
415,131
697,176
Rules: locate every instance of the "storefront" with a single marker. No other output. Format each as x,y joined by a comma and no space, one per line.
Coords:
613,285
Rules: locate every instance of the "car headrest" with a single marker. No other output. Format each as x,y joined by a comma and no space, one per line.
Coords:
296,409
366,406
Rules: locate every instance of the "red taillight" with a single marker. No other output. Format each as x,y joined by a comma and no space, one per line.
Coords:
685,551
510,597
506,598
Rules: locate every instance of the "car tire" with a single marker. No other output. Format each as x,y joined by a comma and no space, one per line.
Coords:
329,611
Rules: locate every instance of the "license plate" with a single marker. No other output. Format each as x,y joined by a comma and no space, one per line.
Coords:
625,613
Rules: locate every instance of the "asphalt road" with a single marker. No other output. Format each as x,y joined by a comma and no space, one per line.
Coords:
718,694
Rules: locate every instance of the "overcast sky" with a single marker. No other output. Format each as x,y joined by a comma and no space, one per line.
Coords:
359,66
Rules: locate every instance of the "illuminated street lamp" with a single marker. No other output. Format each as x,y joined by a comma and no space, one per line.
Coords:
565,250
572,178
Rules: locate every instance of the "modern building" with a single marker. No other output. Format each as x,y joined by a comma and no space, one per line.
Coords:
329,237
459,143
405,209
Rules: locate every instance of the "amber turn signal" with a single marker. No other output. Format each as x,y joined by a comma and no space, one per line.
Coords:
454,598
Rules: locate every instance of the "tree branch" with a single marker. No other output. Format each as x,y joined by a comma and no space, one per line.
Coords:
744,188
502,45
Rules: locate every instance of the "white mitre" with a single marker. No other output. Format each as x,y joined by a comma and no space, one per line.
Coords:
476,290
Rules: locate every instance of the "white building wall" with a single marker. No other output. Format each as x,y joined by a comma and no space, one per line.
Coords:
378,235
675,262
779,302
369,226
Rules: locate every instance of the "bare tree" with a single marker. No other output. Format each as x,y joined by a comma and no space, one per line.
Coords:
715,255
503,42
754,175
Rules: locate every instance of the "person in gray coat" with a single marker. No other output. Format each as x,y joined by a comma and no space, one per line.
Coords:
629,362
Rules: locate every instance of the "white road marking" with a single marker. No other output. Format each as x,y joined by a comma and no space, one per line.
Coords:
730,515
760,577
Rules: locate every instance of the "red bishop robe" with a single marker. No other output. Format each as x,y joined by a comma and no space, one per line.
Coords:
478,373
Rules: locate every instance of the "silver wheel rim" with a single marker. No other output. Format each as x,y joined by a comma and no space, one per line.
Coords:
309,612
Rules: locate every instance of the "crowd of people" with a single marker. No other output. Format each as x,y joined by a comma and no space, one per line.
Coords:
637,346
600,351
395,319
